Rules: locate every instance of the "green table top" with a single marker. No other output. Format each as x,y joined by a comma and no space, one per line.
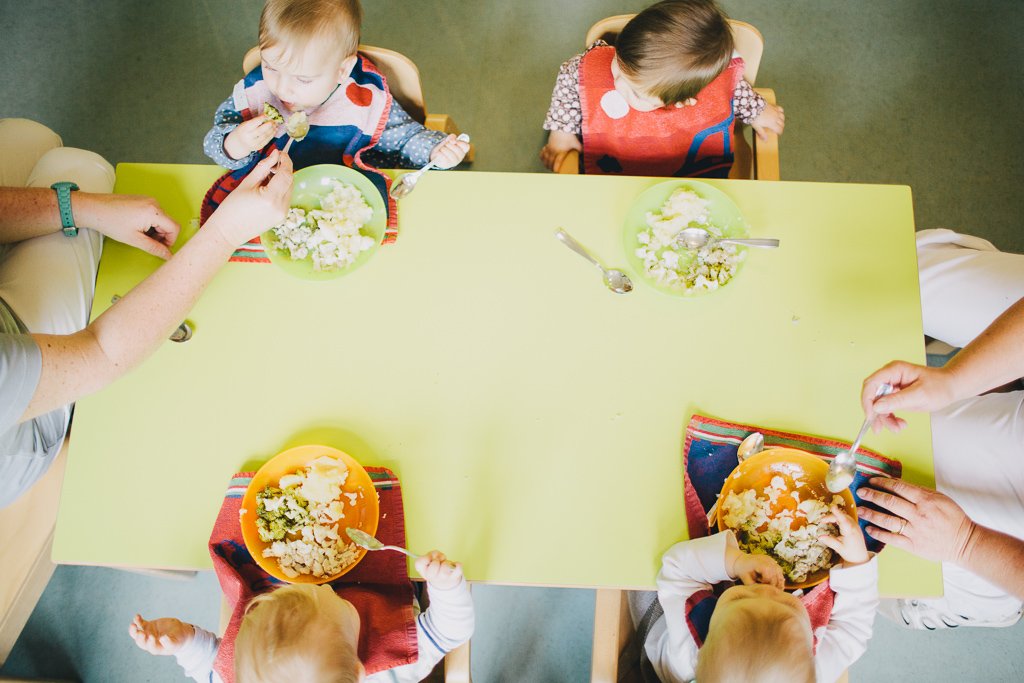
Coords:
534,418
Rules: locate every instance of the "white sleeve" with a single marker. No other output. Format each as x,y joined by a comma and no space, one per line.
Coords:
845,638
686,568
198,655
447,623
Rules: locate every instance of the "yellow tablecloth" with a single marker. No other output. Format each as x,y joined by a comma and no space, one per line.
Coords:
534,418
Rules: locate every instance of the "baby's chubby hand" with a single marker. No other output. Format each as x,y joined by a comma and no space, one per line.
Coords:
850,541
449,152
773,118
763,569
438,571
161,636
250,136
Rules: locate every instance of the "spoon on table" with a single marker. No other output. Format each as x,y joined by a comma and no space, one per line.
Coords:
365,540
407,183
697,238
844,467
615,280
297,128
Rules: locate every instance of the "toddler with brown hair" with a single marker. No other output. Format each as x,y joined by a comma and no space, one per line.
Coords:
661,102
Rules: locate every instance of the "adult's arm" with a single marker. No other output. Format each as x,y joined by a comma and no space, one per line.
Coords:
929,524
78,364
27,212
994,358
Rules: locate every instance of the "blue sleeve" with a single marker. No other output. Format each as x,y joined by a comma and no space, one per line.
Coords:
225,120
405,143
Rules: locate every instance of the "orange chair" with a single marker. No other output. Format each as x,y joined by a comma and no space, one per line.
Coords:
754,159
403,80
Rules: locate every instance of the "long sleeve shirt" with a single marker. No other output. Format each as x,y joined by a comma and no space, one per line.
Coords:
566,114
405,143
697,565
446,624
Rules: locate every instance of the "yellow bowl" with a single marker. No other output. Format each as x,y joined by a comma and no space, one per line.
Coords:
364,513
757,472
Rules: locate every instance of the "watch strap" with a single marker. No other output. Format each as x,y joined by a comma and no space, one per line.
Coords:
64,189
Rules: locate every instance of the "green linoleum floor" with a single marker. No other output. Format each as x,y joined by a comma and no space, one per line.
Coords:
917,92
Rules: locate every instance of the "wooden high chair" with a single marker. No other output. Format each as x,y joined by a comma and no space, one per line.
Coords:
403,79
755,159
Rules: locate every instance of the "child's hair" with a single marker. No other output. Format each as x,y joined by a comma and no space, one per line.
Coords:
274,643
675,48
758,649
296,22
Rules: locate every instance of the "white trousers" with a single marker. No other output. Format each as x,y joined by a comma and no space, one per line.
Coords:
979,442
49,281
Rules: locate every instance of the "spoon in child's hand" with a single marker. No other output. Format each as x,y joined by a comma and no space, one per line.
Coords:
365,540
407,183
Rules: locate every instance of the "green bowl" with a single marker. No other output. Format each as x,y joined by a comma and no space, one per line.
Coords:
310,185
725,216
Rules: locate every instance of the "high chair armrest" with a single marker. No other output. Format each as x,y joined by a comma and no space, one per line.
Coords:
570,164
445,124
766,152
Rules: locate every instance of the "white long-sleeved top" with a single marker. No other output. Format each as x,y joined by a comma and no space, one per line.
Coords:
696,565
445,625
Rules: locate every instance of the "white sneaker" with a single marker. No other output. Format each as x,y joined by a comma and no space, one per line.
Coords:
934,614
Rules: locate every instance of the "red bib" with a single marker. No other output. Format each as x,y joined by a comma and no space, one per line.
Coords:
670,141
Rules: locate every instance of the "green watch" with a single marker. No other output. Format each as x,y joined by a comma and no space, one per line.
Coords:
64,189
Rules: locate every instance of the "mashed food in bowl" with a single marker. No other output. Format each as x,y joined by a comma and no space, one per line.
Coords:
782,523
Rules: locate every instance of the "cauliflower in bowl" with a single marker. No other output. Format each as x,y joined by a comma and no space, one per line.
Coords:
331,236
300,520
783,523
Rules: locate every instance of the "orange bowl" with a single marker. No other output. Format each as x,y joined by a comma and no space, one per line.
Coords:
757,472
363,515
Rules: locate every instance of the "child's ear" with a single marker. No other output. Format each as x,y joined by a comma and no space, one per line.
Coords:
346,66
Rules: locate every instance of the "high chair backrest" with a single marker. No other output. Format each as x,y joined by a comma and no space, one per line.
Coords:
401,74
748,40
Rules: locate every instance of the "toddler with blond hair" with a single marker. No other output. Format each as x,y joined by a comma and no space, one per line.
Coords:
309,62
661,102
755,630
308,633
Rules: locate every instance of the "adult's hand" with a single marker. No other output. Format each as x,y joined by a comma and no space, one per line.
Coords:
258,203
920,520
916,389
132,219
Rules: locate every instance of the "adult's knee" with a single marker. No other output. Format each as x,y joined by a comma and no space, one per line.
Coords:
88,170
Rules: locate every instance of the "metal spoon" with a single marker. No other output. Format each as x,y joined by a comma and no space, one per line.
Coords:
616,280
365,540
407,183
697,238
297,128
844,467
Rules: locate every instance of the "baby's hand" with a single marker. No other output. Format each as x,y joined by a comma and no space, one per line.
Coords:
438,571
850,541
772,118
559,144
449,152
758,569
250,136
161,636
